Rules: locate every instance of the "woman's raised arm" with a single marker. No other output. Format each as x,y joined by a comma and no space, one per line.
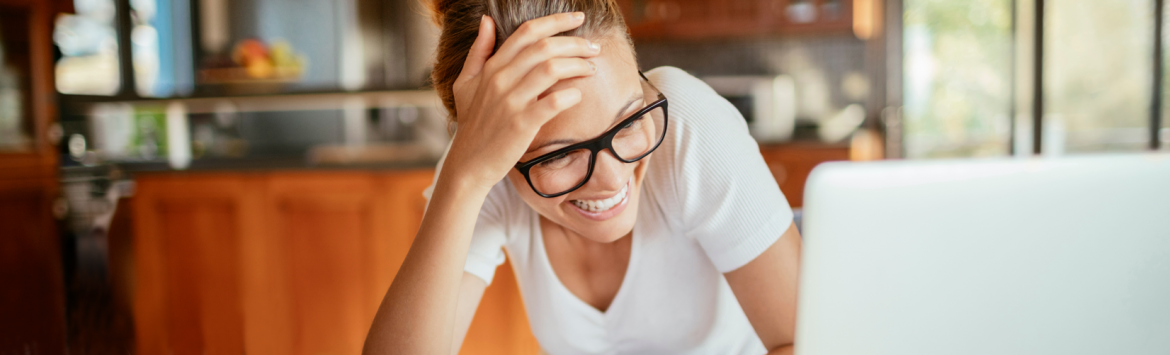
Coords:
500,108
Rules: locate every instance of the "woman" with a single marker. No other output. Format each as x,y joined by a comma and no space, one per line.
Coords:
636,210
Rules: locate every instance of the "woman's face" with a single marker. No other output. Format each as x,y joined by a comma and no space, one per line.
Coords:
612,94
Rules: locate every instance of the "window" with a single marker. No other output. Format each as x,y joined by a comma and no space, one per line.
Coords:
1098,78
957,78
964,60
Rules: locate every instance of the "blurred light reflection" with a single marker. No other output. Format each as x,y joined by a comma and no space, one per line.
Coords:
89,49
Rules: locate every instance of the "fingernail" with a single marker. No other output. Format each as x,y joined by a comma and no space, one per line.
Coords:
578,15
592,67
593,46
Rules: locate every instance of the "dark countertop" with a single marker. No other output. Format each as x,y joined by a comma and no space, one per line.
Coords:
270,164
301,163
129,169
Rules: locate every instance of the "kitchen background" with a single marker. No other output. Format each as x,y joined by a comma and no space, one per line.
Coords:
243,175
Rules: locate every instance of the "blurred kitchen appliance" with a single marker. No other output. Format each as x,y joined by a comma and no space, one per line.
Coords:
1008,256
768,103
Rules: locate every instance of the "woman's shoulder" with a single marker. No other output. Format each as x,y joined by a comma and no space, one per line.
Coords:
706,137
695,104
677,82
665,75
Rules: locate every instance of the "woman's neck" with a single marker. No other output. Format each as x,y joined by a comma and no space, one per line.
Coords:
593,271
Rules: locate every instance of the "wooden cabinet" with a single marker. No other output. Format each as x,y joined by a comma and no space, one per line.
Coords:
791,163
298,262
286,263
188,239
32,296
702,19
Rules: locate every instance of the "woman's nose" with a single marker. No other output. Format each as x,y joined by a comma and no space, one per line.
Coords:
609,173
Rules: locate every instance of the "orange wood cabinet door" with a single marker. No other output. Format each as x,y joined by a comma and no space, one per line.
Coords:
791,164
189,231
332,253
286,263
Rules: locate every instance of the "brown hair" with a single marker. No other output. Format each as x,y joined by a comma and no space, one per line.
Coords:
459,24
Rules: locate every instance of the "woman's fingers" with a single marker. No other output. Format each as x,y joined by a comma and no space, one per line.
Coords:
551,105
530,47
547,73
481,49
536,29
542,51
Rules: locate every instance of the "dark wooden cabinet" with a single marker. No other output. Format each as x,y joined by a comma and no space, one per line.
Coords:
32,306
32,296
709,19
286,263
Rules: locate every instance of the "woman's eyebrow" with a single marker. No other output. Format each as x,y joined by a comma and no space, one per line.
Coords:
618,117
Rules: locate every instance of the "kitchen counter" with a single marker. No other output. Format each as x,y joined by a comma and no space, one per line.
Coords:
296,240
268,164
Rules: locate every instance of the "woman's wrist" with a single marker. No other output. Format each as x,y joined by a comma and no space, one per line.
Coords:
458,184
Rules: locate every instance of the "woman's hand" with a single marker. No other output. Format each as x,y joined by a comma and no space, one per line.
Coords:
498,98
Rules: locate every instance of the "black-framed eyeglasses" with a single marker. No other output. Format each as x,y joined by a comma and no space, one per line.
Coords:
567,169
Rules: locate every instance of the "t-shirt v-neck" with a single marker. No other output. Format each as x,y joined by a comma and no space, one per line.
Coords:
546,267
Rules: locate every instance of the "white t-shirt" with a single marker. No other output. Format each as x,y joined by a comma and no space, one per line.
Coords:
709,205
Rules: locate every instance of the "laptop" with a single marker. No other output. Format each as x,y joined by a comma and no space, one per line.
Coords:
1014,256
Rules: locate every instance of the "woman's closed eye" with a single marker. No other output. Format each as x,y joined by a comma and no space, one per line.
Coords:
632,127
557,161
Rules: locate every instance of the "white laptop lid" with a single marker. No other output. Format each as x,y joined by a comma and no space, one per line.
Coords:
1062,256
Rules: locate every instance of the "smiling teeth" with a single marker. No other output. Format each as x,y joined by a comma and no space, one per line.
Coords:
603,205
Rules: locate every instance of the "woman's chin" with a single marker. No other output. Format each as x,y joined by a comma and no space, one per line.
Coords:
610,236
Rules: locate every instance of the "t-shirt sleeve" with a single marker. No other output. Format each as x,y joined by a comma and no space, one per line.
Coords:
726,196
490,233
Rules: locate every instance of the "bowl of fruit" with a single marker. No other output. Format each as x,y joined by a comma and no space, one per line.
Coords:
254,67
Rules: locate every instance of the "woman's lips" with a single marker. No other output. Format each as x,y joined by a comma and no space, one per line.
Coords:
607,214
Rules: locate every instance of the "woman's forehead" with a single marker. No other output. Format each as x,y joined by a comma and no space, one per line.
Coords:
603,95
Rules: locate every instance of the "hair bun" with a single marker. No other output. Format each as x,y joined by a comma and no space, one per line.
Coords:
441,9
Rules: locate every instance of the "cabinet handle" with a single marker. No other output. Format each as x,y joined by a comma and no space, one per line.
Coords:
60,208
55,133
